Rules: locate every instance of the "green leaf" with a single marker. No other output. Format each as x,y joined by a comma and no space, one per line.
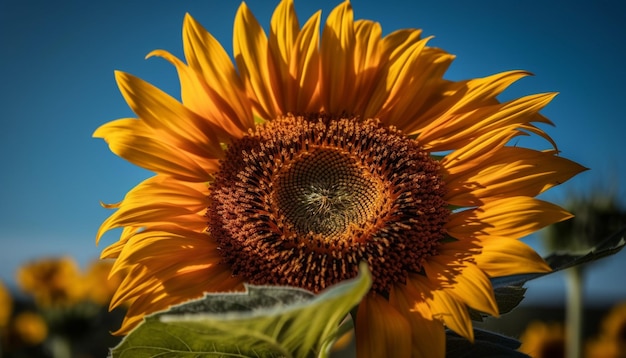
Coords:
264,321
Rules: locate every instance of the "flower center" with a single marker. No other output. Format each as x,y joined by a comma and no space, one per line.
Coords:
302,201
324,192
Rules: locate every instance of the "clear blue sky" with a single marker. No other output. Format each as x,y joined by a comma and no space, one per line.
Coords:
57,87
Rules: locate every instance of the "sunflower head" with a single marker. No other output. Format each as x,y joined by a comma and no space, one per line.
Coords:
318,150
611,340
302,201
543,340
52,281
6,306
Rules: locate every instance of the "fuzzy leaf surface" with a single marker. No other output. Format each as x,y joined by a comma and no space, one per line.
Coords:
264,321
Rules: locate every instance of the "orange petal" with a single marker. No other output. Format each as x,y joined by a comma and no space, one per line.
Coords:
206,56
159,200
477,92
165,114
151,153
428,337
453,312
509,171
513,217
284,30
337,55
367,62
444,305
204,100
381,331
502,256
256,68
304,70
456,130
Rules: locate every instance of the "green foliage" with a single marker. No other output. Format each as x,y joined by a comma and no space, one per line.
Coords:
262,322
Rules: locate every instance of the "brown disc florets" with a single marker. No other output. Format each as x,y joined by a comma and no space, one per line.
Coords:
301,201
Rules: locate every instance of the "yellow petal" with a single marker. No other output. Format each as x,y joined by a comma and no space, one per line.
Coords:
154,247
513,217
205,101
148,294
502,256
477,92
159,200
337,55
453,312
456,130
113,250
148,151
415,74
304,70
428,337
206,56
392,46
435,62
471,286
165,114
444,306
381,331
482,148
284,30
256,68
367,62
508,172
181,279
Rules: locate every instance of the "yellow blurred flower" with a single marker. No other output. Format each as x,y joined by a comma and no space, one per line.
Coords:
52,281
543,340
99,288
611,341
6,305
317,153
30,328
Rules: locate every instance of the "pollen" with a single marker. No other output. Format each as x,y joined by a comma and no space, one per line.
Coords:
301,201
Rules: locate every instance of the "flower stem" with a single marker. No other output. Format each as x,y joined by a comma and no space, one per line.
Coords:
574,312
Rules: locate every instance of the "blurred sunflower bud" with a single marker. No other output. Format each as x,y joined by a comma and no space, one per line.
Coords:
596,217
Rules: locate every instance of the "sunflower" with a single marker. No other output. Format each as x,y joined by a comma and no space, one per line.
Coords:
320,149
53,282
611,341
99,288
543,340
6,306
30,328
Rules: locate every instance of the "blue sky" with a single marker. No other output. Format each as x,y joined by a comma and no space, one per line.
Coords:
57,87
